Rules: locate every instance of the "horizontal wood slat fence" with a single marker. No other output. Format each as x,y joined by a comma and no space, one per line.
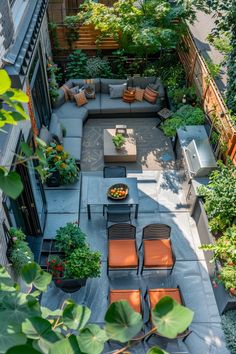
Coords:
212,101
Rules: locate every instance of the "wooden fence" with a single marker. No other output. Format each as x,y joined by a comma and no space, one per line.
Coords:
212,101
87,37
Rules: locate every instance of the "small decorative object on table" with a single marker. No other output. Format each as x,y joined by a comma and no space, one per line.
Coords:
121,129
118,140
163,114
118,191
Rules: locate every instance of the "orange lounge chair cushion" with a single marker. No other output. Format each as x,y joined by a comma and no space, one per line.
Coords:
122,254
158,253
156,295
132,296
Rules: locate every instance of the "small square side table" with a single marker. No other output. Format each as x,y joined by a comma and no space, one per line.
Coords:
163,114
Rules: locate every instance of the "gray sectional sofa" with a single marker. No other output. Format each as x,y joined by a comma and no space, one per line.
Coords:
72,117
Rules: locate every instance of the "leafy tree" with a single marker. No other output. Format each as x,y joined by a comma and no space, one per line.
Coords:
76,65
141,27
11,112
28,327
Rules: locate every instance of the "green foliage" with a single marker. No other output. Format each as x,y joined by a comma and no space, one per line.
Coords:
52,27
165,317
19,252
76,65
213,68
83,263
185,115
70,237
98,67
27,327
220,197
228,321
118,63
72,25
225,247
14,99
118,140
189,93
228,277
53,76
144,29
59,160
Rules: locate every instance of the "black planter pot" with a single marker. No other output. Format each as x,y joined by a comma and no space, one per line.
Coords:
69,285
54,179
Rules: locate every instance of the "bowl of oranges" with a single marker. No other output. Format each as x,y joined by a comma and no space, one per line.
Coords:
118,191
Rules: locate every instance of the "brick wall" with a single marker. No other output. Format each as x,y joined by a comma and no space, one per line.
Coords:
6,28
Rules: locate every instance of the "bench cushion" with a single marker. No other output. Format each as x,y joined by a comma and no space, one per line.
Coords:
106,82
113,105
94,104
73,127
74,147
70,110
145,106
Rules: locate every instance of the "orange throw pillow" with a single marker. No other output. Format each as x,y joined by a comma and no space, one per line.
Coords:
129,96
80,99
139,94
150,95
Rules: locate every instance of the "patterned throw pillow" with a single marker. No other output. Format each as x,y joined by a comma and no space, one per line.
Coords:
72,92
129,96
80,99
150,95
139,94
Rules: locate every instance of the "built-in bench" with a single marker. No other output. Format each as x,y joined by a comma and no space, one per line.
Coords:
67,115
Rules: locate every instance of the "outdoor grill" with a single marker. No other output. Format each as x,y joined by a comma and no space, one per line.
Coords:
199,158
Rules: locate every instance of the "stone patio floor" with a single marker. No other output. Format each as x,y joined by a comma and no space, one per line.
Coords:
161,199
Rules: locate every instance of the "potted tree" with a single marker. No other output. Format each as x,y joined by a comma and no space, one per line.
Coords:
79,263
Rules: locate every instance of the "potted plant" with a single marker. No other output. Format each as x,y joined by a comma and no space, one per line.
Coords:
19,252
79,263
61,167
118,140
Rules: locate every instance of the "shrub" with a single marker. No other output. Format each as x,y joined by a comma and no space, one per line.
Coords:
225,247
97,67
75,67
229,327
228,278
185,115
69,237
19,253
83,263
220,197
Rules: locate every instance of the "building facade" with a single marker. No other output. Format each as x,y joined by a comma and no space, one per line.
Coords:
24,51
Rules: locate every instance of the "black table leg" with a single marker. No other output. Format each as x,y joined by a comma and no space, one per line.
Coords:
89,211
136,211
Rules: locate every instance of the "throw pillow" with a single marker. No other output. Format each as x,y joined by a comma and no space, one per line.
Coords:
150,95
129,96
72,92
80,99
45,135
116,91
139,94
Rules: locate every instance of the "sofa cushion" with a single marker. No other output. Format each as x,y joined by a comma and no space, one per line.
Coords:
73,127
73,146
70,110
106,82
116,91
150,95
45,135
113,105
139,94
143,81
80,99
60,100
53,123
145,106
129,95
94,105
82,82
160,87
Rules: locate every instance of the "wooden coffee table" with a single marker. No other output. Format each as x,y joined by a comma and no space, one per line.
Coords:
128,153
